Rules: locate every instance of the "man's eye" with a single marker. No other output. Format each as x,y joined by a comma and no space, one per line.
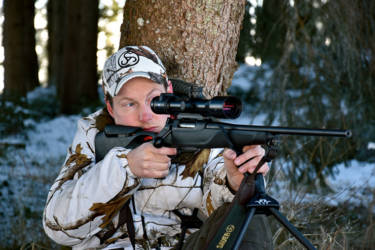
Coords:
128,104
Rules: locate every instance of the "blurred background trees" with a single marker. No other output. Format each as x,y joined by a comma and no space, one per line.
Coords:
318,70
66,39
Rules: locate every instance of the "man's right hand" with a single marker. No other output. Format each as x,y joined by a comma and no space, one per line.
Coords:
150,162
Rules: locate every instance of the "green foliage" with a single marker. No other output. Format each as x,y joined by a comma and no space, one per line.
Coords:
14,113
321,56
11,118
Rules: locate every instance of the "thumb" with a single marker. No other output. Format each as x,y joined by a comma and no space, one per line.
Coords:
229,156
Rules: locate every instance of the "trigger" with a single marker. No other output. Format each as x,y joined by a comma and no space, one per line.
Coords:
147,138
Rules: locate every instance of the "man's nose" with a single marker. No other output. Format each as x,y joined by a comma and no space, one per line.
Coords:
146,113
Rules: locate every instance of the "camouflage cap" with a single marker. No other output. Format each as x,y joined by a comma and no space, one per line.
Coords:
130,62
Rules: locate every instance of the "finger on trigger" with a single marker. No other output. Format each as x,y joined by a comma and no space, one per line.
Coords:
167,151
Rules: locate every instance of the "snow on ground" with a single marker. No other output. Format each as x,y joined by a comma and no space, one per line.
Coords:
51,137
354,183
27,174
357,174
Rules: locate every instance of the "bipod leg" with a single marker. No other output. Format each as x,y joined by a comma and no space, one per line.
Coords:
265,204
258,204
294,231
244,228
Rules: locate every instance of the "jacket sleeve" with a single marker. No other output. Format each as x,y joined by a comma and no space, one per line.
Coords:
86,196
215,190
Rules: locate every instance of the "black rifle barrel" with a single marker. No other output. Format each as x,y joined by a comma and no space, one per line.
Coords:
287,130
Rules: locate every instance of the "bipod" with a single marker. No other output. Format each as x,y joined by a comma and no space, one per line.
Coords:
262,203
251,199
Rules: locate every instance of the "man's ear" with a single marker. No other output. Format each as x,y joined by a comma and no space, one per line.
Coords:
170,87
109,108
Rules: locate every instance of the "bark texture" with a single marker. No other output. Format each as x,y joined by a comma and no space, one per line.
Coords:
197,40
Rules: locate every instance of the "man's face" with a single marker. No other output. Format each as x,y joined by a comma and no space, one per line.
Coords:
131,106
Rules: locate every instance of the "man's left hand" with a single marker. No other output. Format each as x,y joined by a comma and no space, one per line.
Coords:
253,153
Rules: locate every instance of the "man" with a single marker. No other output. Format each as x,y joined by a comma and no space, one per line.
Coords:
135,196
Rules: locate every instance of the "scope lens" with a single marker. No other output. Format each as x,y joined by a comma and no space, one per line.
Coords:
232,107
225,107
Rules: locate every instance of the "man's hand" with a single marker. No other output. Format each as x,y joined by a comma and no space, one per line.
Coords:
150,162
253,153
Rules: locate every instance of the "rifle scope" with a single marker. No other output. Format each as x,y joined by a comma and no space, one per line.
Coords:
220,106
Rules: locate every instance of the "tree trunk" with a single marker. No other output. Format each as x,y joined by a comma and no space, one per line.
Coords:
56,21
88,47
21,62
78,84
196,40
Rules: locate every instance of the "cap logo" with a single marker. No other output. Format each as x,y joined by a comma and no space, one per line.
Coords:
128,59
130,62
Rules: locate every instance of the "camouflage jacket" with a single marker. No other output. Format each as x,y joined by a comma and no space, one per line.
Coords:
84,202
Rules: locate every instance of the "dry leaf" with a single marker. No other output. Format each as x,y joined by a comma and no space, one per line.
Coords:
103,120
122,156
78,160
210,208
109,209
196,164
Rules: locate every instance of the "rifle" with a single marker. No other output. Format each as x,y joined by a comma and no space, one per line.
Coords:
191,127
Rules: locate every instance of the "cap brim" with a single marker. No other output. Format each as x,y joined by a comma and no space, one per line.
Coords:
128,78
